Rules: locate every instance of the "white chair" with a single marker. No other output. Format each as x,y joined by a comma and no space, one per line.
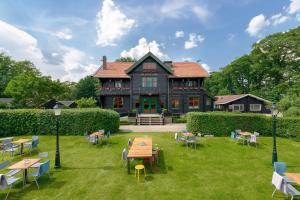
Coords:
256,133
41,170
9,147
124,156
279,183
7,163
292,191
7,183
252,140
176,136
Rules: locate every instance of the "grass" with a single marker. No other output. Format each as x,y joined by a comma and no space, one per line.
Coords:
217,169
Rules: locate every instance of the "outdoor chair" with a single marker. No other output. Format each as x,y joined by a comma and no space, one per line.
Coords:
233,135
124,156
238,131
256,133
9,147
7,182
5,164
93,139
179,138
280,168
155,152
42,169
292,191
33,144
279,183
191,140
41,155
252,140
129,143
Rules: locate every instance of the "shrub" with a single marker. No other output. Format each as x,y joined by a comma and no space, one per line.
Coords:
221,124
72,121
3,105
86,103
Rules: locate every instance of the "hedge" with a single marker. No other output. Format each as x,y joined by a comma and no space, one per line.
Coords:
43,122
221,124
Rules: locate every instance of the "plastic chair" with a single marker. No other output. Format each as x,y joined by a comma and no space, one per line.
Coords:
137,170
43,169
124,156
233,135
5,164
9,147
7,182
252,140
41,155
280,168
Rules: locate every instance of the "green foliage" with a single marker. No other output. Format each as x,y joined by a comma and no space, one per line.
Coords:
269,71
3,105
221,124
86,103
87,87
72,121
30,89
125,59
180,119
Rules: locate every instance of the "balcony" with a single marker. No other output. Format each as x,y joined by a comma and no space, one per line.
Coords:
180,89
114,91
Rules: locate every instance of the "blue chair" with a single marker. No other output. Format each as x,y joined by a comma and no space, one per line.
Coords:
233,135
41,155
7,183
5,164
43,169
280,168
33,144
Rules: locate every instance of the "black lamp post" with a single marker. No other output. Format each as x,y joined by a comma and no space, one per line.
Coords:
57,112
274,116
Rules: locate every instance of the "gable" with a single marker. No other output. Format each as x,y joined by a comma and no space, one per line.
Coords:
149,63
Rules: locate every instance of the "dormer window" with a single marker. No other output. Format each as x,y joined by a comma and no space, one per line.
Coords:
149,65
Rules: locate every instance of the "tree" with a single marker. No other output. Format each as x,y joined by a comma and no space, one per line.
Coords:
86,103
126,59
30,89
10,69
87,87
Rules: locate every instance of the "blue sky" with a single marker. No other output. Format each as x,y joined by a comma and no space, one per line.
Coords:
66,39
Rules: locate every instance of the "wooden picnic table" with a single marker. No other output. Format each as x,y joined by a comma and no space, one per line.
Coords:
245,134
21,142
293,176
98,135
188,134
140,148
24,165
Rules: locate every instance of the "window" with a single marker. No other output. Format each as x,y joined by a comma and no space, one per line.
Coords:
149,66
238,107
193,102
191,83
255,107
175,102
118,102
208,101
149,81
118,84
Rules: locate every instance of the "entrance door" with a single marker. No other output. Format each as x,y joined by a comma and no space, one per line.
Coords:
149,104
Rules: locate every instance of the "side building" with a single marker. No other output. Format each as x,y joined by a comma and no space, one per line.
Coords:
150,85
241,103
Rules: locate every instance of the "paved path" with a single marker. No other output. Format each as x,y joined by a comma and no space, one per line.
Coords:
153,128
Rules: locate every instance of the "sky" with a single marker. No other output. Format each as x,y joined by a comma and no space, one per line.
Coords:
67,39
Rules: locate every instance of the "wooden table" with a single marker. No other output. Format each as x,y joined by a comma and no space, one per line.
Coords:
245,134
97,135
140,148
24,165
188,134
21,142
294,177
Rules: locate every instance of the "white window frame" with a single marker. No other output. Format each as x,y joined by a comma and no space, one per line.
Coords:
252,107
241,107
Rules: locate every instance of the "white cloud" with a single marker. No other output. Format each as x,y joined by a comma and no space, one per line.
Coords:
257,25
179,34
206,67
294,7
65,34
181,8
194,41
278,19
112,24
142,48
22,46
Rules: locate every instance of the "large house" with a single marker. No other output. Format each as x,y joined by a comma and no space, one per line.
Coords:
241,103
150,85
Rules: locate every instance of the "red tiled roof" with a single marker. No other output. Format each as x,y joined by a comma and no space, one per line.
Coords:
180,69
227,98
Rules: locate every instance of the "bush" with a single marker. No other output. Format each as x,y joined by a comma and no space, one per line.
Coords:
42,122
221,124
86,103
3,105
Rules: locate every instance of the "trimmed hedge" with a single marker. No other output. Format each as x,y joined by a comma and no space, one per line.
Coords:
221,124
42,122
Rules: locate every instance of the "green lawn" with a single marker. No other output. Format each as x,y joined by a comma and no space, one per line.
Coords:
217,169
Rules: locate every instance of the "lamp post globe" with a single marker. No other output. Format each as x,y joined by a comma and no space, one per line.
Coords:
274,116
57,113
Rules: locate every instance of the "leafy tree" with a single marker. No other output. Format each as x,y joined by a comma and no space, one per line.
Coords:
126,59
30,89
87,87
86,103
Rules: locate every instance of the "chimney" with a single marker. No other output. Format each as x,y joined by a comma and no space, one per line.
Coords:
104,63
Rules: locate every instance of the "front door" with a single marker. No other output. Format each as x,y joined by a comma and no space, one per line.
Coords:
149,104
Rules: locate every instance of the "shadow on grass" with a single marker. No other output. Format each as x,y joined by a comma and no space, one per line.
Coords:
90,168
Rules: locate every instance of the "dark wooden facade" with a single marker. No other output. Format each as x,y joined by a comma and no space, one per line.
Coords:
248,102
153,88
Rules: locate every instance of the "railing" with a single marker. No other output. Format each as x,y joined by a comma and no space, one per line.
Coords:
114,90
